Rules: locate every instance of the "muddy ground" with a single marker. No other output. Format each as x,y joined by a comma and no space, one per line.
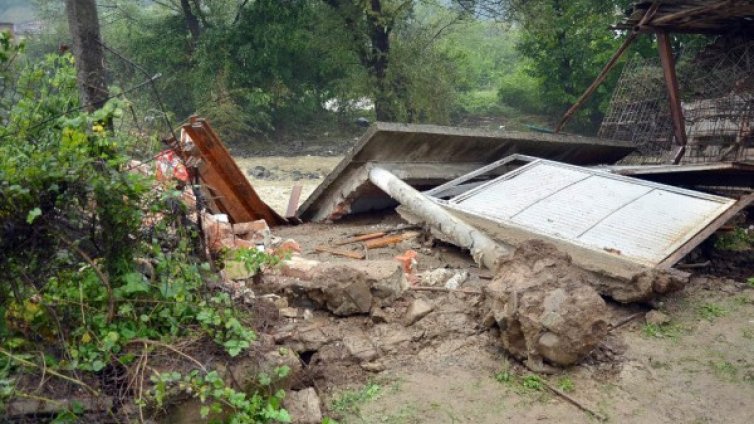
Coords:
447,368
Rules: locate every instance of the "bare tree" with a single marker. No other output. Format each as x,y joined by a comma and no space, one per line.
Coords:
83,24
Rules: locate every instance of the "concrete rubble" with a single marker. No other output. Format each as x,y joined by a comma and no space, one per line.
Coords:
371,297
544,308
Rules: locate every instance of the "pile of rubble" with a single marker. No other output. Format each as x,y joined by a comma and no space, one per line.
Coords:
547,257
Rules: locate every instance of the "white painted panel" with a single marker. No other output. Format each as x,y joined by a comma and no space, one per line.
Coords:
654,226
577,208
505,197
637,220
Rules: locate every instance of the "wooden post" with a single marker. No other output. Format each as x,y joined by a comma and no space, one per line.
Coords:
674,96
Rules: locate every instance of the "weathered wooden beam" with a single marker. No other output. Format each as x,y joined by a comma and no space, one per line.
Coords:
674,96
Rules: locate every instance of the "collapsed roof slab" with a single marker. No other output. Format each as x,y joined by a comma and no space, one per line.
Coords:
425,156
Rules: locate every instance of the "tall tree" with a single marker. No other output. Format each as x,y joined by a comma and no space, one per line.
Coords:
83,23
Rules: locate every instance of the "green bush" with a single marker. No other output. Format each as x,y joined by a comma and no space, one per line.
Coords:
521,91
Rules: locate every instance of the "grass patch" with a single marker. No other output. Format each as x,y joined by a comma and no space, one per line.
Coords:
566,384
710,311
724,370
662,331
533,382
351,401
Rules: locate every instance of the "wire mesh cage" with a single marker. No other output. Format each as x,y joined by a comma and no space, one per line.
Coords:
717,94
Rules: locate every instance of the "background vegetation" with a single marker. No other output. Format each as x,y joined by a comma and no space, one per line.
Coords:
267,69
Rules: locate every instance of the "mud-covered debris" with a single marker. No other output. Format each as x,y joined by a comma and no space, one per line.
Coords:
656,318
418,309
544,309
245,370
344,288
436,277
303,406
456,280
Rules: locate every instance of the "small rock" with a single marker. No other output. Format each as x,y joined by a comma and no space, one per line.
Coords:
258,172
436,277
296,175
418,310
656,318
455,281
375,366
303,406
360,347
289,312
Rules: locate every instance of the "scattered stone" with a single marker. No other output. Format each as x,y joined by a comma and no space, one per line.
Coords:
298,267
418,310
376,366
436,277
346,288
259,172
544,309
256,232
303,406
361,347
296,175
289,312
656,318
455,281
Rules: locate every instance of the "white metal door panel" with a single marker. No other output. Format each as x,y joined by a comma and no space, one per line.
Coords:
654,226
504,198
637,220
575,209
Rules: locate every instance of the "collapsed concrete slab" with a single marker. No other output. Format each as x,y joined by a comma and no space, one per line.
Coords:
425,156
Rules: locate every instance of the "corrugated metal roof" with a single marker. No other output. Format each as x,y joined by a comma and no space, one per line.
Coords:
640,221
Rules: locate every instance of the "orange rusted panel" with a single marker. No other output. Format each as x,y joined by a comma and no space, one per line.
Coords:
231,191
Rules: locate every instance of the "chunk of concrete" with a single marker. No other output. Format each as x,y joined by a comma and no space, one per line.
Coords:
360,347
545,310
418,309
303,406
346,288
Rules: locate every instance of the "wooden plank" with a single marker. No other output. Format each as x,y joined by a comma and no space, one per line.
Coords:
290,212
358,239
674,96
340,252
390,240
710,229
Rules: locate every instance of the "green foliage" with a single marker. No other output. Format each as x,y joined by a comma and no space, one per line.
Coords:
264,405
738,240
566,384
662,331
533,382
750,282
74,220
253,259
566,44
710,311
350,401
504,376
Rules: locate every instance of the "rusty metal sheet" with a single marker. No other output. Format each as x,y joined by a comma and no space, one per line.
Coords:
231,191
639,221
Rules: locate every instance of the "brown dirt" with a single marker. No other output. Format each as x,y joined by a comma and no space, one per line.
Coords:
697,369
